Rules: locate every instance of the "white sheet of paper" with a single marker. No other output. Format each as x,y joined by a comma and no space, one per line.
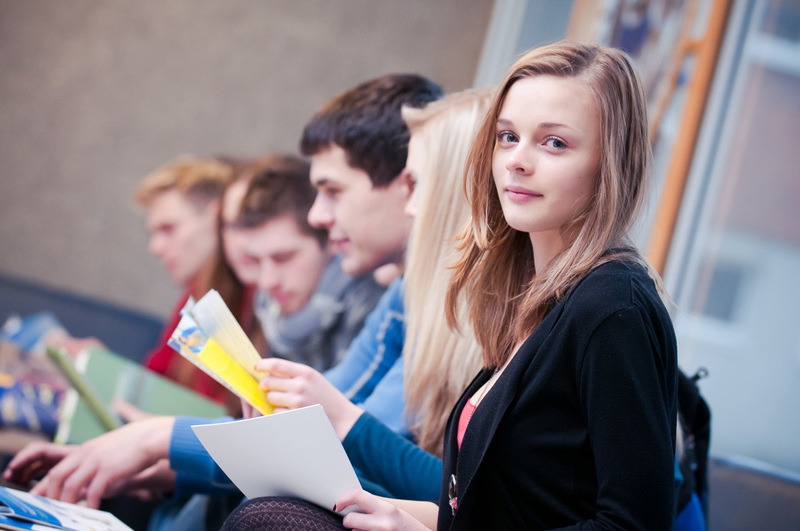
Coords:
293,453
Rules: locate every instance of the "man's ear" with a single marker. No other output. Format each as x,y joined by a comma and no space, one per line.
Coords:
405,183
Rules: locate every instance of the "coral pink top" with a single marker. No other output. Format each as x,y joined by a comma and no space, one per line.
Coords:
463,421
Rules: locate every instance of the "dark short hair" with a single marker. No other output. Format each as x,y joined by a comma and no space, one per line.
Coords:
280,186
366,123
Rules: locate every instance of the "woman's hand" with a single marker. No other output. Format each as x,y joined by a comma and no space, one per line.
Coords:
292,385
378,513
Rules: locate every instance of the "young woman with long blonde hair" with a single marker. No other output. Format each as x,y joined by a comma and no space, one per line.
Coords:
439,361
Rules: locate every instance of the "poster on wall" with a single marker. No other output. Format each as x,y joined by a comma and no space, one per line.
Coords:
656,33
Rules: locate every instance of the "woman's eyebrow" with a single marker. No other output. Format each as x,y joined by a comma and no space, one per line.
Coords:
551,125
543,125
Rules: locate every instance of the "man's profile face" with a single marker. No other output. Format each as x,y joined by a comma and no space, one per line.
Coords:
182,235
365,224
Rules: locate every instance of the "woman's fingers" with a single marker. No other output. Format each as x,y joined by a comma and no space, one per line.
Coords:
280,367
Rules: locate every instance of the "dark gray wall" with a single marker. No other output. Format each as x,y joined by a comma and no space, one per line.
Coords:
95,94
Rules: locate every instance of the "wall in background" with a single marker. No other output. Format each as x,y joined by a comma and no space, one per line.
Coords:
95,94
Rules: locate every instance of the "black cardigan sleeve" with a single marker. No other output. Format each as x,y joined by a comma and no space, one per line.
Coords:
626,389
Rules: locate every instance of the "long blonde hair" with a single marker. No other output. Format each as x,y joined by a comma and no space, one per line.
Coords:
439,361
495,270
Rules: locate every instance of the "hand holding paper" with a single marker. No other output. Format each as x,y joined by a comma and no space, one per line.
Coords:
292,453
292,385
210,337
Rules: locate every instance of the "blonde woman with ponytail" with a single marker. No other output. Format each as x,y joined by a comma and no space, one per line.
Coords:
439,361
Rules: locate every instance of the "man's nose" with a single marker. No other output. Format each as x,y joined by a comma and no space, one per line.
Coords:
268,277
320,216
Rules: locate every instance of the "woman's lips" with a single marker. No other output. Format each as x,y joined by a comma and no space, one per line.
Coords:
518,193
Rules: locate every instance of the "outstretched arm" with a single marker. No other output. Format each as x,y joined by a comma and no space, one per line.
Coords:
385,457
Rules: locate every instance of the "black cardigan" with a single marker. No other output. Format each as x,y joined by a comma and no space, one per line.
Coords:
579,430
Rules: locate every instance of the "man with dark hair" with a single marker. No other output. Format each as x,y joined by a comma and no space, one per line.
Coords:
358,143
365,122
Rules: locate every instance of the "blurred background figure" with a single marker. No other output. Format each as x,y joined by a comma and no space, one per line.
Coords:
308,308
183,202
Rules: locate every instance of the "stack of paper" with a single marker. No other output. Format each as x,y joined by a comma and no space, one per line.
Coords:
23,511
209,336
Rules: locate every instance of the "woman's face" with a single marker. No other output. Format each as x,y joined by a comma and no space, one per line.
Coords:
414,168
546,155
233,237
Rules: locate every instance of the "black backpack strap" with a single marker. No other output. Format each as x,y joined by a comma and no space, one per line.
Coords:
695,418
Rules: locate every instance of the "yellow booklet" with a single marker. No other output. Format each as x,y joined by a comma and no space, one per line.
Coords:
209,336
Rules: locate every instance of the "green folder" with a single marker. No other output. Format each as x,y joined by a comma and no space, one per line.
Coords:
99,376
